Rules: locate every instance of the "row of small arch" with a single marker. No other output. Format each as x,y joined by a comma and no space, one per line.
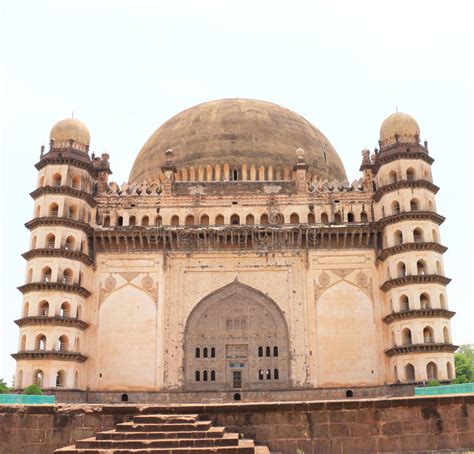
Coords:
206,376
235,219
421,269
38,379
64,277
60,345
417,236
268,351
431,371
43,309
70,211
424,302
428,336
268,374
414,205
206,352
50,242
409,174
56,180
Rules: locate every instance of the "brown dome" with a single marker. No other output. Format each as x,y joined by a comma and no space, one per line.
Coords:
236,132
68,129
401,124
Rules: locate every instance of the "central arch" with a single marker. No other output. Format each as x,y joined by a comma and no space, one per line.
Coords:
236,338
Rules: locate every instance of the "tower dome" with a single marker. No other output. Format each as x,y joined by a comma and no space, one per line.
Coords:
237,132
401,124
70,128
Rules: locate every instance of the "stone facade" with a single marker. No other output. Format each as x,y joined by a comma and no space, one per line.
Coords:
241,275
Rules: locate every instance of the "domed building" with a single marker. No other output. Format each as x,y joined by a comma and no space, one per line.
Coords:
237,262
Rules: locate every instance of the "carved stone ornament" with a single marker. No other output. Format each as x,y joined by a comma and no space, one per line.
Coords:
110,283
324,279
147,283
129,276
362,279
343,272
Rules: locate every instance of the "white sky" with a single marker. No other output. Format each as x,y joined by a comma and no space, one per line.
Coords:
125,67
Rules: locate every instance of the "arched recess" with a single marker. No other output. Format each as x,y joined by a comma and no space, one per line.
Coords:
235,320
346,337
126,345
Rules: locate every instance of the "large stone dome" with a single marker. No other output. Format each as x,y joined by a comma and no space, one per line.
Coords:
237,132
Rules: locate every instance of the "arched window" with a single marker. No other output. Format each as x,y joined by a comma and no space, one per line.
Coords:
428,337
446,335
234,174
406,337
204,219
431,371
38,377
76,182
409,372
204,375
76,380
324,218
235,219
132,220
106,222
260,351
442,301
65,310
294,218
392,177
175,220
411,175
198,352
434,236
29,277
260,374
56,180
189,220
439,268
145,221
425,301
269,374
213,375
197,375
38,211
421,268
395,374
414,205
61,379
364,217
40,342
311,218
398,238
33,242
213,352
418,235
50,241
449,371
250,220
350,217
78,312
267,351
53,210
204,352
72,212
401,269
430,206
337,218
23,343
70,243
43,308
67,276
19,380
275,351
219,220
404,303
62,345
158,221
264,219
26,309
276,374
395,207
41,181
119,221
46,274
383,211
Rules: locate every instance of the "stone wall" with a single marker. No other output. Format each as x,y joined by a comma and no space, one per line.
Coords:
370,425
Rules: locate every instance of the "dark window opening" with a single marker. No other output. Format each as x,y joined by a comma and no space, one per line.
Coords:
198,352
213,375
276,374
237,396
260,351
124,398
349,393
213,352
267,351
275,351
197,376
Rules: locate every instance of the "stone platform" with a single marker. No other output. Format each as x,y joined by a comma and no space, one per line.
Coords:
409,424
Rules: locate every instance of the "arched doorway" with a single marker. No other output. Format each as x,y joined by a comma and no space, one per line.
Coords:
231,337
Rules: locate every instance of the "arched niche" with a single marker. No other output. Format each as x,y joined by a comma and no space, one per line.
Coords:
126,348
345,336
236,321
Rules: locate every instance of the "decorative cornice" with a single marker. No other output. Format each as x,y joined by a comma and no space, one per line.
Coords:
67,157
409,247
64,190
55,320
65,222
49,354
55,287
58,252
415,279
419,313
405,184
398,151
412,216
421,348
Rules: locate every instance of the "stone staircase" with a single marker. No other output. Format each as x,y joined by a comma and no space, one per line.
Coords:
149,434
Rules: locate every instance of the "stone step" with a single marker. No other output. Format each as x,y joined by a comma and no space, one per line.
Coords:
229,439
176,419
163,427
213,432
